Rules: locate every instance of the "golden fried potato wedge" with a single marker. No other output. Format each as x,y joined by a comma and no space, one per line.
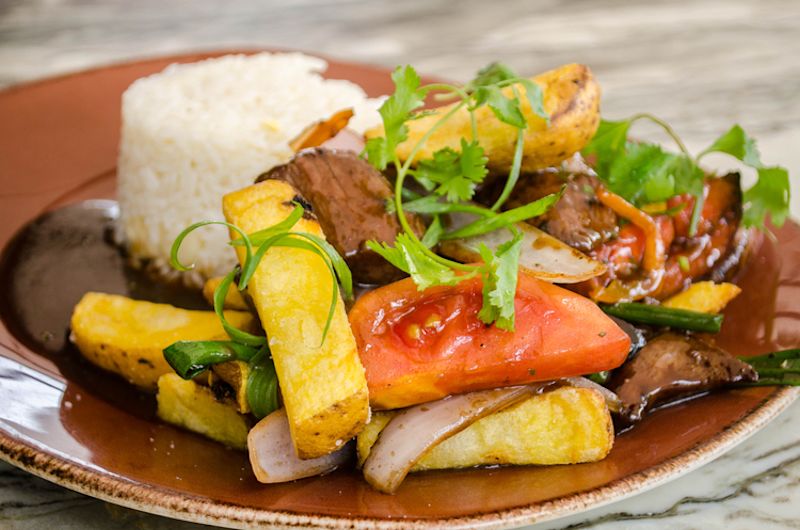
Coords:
571,98
705,297
196,408
323,384
234,299
565,426
128,336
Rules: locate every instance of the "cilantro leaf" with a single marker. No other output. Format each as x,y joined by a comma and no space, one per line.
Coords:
535,97
435,230
440,168
473,161
456,174
768,196
407,256
397,108
395,112
488,312
377,152
506,109
627,174
500,283
689,177
485,89
738,144
607,144
490,74
638,171
644,173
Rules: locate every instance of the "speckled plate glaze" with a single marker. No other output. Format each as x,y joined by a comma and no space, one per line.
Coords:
78,427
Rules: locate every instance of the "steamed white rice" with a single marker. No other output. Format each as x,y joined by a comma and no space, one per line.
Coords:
196,131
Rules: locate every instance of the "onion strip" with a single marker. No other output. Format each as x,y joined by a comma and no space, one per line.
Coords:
415,430
273,456
541,254
612,400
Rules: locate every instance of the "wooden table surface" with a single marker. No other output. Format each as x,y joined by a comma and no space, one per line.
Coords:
701,65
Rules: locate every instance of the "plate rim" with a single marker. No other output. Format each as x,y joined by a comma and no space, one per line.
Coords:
125,492
118,489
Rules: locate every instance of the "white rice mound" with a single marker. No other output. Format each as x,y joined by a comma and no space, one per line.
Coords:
194,132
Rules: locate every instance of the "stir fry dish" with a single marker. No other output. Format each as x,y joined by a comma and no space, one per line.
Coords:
493,275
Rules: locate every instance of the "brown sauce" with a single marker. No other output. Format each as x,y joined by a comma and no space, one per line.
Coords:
46,269
62,254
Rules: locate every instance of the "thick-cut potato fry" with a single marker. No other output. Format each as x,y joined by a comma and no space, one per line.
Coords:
571,98
565,426
704,297
128,336
234,299
196,408
322,383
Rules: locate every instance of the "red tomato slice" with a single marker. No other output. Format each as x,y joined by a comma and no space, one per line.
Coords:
421,346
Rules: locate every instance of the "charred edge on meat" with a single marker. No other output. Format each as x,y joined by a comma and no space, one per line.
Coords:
308,210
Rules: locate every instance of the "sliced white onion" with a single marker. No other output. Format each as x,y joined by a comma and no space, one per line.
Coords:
612,400
274,459
412,432
542,255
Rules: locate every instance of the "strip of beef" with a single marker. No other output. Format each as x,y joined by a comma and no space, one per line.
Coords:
348,197
671,366
578,218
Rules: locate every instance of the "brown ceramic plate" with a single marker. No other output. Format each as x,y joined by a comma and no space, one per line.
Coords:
74,425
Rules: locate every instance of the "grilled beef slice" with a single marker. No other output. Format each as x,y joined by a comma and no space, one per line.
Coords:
578,218
348,197
672,366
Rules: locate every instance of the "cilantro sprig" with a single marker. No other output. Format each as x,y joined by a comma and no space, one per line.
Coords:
644,173
453,174
769,196
450,178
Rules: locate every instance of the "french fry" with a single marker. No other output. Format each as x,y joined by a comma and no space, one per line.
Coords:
128,336
704,297
565,426
196,408
322,383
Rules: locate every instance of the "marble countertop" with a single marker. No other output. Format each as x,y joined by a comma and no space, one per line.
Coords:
702,65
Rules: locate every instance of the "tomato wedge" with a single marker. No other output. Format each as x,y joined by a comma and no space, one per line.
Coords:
421,346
